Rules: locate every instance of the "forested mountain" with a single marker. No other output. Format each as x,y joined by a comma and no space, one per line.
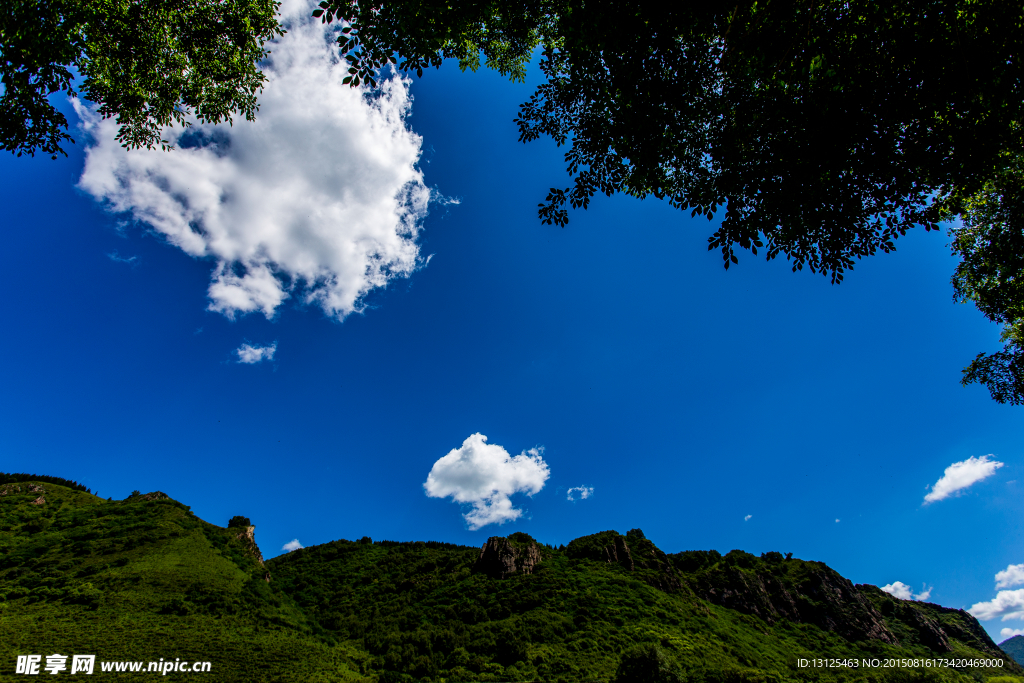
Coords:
143,579
1014,647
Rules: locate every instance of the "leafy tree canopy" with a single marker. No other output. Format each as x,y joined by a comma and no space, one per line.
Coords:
239,521
147,62
991,274
818,130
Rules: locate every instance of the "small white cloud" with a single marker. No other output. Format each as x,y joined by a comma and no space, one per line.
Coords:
255,354
485,476
1006,605
584,492
1011,632
960,475
747,518
837,520
1013,575
320,198
113,256
900,590
292,545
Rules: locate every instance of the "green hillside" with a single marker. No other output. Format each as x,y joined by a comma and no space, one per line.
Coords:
1014,647
144,579
430,611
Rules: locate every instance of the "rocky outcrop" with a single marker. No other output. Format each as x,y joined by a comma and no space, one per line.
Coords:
607,546
633,552
10,489
503,557
929,631
618,553
963,626
931,625
812,593
774,588
248,537
155,495
825,598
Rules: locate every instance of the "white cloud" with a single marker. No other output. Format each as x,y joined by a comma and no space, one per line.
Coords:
1011,632
484,476
747,518
255,354
960,475
319,198
292,545
837,520
114,256
900,590
1006,605
1013,575
584,492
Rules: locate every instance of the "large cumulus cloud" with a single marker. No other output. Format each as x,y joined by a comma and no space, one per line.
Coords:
319,198
484,476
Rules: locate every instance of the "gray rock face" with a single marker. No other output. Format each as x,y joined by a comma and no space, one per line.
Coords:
16,488
618,553
248,537
936,625
633,553
824,598
501,558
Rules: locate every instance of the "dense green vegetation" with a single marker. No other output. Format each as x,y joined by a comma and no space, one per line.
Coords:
149,63
1014,647
141,579
421,612
144,578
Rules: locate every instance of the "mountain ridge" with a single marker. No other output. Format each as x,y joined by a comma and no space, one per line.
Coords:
144,578
1014,646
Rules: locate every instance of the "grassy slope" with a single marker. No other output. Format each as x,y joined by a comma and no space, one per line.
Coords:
145,579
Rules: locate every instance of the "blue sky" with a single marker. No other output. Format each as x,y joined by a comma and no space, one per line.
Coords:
755,408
